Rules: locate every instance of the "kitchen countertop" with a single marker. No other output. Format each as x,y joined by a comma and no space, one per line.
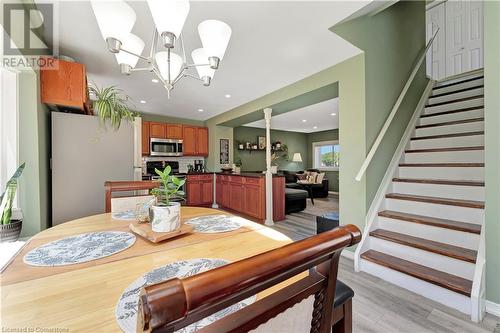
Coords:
247,174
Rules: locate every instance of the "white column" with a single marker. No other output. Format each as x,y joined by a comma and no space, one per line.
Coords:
269,175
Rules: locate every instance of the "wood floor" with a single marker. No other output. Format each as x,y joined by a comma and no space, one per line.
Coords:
379,306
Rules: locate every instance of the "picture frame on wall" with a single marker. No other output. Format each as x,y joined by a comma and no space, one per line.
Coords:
261,140
224,151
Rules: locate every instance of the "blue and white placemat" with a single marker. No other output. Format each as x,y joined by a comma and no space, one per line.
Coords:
126,309
80,248
216,223
128,215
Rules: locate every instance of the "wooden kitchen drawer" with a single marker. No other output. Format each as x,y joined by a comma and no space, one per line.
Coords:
252,181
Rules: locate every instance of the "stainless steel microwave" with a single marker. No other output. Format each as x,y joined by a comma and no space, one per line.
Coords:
165,147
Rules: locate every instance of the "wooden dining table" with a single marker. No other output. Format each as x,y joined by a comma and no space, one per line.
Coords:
82,297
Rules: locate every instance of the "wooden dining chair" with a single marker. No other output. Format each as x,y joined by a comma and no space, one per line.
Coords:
129,201
176,303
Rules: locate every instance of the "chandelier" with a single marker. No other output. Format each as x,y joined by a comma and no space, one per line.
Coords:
116,19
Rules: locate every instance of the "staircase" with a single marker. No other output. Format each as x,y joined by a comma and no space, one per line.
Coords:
426,234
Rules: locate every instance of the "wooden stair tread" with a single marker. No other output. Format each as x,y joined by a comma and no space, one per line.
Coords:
473,108
437,200
445,165
448,250
432,221
458,82
458,100
439,181
455,122
442,136
439,278
436,150
457,91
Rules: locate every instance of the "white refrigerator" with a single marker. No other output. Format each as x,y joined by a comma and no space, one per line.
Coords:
84,155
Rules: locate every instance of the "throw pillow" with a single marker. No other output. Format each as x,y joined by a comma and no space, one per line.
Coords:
311,178
301,176
320,177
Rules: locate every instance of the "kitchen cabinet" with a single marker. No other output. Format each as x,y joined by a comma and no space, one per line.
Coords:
246,195
195,139
174,131
200,190
157,130
145,137
64,83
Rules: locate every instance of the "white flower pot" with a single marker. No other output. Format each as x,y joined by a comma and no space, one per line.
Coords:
274,169
165,218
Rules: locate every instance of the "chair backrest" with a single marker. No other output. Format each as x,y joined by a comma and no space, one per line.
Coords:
125,186
176,303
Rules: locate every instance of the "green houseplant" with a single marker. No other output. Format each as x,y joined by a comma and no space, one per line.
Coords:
165,215
112,105
10,229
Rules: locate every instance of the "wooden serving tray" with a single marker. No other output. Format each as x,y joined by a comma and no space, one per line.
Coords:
144,230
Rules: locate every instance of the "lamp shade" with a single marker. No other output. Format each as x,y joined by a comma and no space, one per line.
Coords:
214,36
297,157
200,57
133,44
169,15
115,18
161,59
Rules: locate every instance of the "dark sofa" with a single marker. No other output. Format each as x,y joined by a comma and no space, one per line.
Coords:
318,190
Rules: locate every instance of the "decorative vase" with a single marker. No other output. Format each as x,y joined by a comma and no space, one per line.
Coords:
241,146
165,218
10,232
278,145
274,169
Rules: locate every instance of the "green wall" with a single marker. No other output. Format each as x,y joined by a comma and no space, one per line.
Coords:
492,147
392,41
332,176
256,160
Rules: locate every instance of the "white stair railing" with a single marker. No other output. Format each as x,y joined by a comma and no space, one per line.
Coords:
394,110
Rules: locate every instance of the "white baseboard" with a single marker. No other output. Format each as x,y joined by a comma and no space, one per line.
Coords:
492,308
347,254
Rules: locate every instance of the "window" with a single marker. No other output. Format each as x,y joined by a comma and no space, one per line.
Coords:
326,155
8,126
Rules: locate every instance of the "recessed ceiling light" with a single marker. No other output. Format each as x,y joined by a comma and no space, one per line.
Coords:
227,96
315,127
155,80
200,110
333,114
304,120
143,101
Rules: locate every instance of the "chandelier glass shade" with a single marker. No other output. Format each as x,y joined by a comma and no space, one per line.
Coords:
135,45
116,20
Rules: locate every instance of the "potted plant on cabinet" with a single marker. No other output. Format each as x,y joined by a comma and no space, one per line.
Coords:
165,214
111,105
10,228
237,165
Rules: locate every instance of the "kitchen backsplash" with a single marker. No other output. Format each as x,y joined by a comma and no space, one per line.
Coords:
183,161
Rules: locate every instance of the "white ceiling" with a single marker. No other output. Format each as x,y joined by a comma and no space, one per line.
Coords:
273,44
318,117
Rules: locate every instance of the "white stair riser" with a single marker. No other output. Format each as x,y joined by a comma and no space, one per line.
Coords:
460,78
457,213
425,258
460,86
476,113
465,156
441,295
437,234
441,191
450,142
450,129
447,173
457,95
477,102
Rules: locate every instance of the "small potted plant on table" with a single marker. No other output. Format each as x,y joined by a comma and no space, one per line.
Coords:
165,214
10,228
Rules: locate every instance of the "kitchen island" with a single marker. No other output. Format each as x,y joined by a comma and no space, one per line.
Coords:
245,194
